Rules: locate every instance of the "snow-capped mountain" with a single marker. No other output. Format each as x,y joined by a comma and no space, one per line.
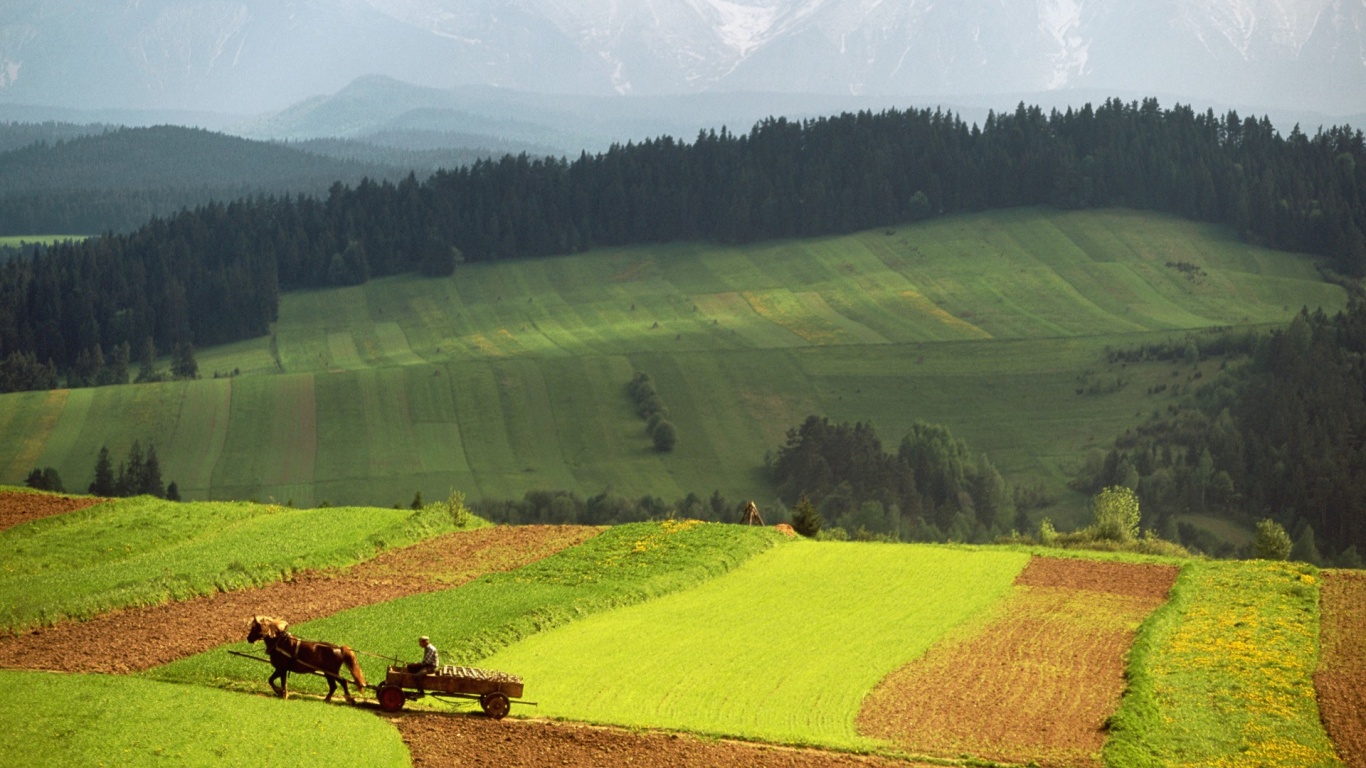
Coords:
249,55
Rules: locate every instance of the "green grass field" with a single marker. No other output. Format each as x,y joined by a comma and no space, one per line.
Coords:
1223,674
783,649
510,377
14,241
624,565
146,551
93,720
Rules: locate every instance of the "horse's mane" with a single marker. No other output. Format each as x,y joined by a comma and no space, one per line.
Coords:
271,627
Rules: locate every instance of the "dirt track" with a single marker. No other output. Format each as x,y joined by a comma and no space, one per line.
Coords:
460,740
1341,678
1036,683
16,508
140,638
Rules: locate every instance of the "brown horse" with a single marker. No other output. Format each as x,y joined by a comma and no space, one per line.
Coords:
290,654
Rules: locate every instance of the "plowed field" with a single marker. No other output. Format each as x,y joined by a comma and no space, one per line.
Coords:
1035,683
446,740
141,638
16,508
1341,678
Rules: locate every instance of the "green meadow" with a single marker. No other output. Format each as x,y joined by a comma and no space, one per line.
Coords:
147,551
1223,674
94,720
783,649
510,377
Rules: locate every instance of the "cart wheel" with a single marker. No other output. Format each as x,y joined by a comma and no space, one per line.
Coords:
495,705
391,697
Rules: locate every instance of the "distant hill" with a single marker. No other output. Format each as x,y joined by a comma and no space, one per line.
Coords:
15,135
59,180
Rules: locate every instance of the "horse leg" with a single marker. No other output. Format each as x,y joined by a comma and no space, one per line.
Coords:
331,687
346,691
277,676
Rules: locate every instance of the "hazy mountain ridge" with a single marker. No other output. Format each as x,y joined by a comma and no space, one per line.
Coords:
223,54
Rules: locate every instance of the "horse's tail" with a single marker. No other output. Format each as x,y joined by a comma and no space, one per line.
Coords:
351,661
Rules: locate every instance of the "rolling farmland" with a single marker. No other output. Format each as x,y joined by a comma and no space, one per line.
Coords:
958,652
510,377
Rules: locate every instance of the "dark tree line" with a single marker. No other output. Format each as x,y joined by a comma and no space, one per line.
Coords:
650,407
558,507
139,474
1282,435
782,179
932,488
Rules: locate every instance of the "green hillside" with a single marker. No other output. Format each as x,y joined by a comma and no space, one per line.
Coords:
509,377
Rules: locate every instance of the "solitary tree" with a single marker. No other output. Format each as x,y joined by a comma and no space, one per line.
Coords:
1272,542
1115,513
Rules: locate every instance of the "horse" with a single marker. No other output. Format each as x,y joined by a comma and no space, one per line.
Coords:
290,654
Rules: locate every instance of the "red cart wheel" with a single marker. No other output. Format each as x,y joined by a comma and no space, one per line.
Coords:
495,705
391,697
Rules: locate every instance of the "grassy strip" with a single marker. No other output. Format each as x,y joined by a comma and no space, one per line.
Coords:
783,649
1223,673
146,551
106,720
624,565
14,241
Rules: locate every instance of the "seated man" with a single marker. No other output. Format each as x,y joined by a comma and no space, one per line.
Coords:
429,661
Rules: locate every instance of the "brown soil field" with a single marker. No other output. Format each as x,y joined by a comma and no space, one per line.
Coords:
1341,678
473,740
141,638
17,508
1034,683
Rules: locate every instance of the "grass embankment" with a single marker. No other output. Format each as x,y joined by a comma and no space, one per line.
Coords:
511,376
147,551
784,649
1223,674
128,721
624,565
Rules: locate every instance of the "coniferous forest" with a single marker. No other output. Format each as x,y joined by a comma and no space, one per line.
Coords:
782,179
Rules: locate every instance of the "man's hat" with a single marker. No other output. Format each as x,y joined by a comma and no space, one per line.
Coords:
424,637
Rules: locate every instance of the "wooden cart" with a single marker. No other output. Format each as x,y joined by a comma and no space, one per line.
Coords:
495,691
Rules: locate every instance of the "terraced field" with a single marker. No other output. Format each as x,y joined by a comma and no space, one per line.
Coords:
510,377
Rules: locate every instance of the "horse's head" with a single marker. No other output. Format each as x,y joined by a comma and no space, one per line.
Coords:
265,628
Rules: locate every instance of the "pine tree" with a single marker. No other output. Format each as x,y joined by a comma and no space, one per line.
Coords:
806,519
149,481
103,484
173,492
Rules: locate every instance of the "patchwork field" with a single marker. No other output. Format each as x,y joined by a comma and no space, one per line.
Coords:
1037,681
623,565
121,642
146,551
511,377
783,649
680,629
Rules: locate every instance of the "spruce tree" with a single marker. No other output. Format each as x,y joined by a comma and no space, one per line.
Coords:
103,484
149,481
806,519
